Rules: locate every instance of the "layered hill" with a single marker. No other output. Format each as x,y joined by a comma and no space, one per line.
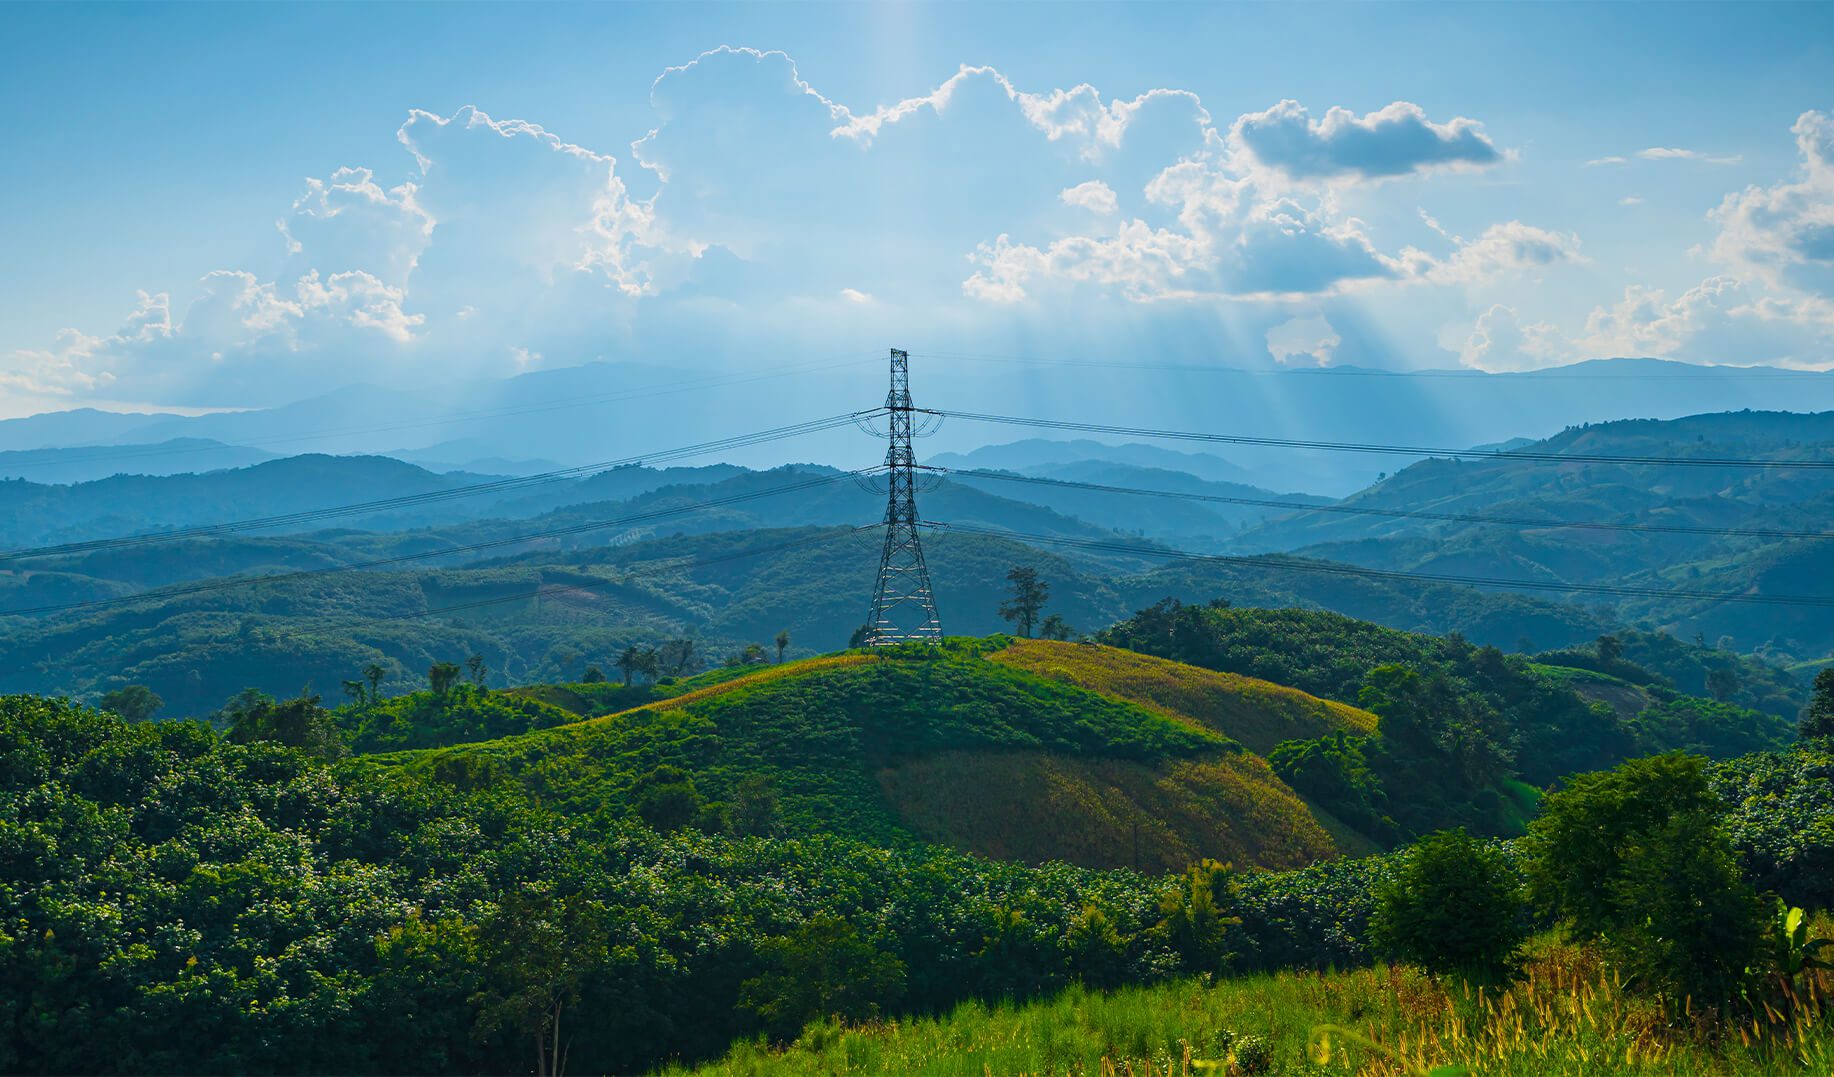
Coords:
1028,752
1668,517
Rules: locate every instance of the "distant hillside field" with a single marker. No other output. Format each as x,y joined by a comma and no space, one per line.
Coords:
967,746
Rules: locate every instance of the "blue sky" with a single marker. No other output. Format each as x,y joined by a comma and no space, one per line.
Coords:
229,206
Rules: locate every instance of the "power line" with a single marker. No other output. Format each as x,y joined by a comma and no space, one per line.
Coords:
512,540
1406,514
685,562
1391,450
435,496
463,417
1511,378
1278,563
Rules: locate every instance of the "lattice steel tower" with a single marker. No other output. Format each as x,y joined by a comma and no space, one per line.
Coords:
903,608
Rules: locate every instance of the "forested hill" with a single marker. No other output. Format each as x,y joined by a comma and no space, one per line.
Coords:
1654,504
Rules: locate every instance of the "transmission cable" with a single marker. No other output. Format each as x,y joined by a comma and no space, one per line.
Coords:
435,496
683,562
512,540
1406,514
1287,564
457,417
1393,450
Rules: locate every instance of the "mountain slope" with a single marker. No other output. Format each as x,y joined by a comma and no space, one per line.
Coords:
953,746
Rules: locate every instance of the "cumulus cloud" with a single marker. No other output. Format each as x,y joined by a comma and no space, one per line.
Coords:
1510,247
1784,234
1092,195
1310,339
496,244
1395,141
1501,341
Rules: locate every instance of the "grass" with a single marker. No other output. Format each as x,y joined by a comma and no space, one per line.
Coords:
1258,713
1031,806
1567,1016
964,746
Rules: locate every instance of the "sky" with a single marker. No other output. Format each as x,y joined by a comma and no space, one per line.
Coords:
233,206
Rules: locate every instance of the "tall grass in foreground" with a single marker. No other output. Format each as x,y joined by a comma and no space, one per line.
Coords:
1566,1016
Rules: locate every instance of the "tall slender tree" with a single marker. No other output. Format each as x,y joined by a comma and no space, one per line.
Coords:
1028,598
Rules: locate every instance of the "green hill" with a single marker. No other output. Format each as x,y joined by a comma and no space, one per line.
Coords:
967,746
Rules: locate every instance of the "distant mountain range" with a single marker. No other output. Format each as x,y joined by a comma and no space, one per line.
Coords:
606,411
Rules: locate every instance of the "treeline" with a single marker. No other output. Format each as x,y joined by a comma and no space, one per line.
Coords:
171,901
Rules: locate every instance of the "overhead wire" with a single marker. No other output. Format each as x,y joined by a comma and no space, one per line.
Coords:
461,417
365,508
1279,563
682,563
1405,514
206,586
1520,455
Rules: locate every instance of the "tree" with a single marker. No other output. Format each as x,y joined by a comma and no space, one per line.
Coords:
1610,650
676,655
1722,682
862,636
593,675
1455,906
475,665
538,949
1194,916
357,692
1028,598
373,673
441,676
1635,857
666,799
783,644
1055,627
136,702
822,969
297,723
629,662
754,806
1818,716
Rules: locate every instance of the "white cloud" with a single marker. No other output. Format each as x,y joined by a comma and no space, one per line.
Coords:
1394,141
1500,341
1670,153
1501,249
1784,234
1597,162
854,295
1310,338
1630,200
1092,195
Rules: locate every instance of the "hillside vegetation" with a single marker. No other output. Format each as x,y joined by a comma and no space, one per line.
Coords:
965,746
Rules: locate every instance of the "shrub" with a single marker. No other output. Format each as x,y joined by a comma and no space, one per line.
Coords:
1454,906
1636,857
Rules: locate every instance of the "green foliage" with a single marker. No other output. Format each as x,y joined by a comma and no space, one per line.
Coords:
297,723
1459,723
822,969
1780,819
1707,727
1818,716
136,702
462,713
1194,917
817,733
1637,857
1453,905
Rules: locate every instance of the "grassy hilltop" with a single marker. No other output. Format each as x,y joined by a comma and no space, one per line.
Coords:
1023,750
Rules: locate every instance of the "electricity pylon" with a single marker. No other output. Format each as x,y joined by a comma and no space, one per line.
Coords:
903,607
